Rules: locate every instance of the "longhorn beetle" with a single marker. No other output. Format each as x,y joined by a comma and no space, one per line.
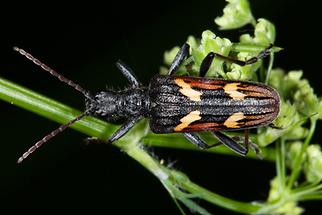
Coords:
182,104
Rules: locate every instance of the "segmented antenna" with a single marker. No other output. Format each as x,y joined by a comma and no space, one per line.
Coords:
62,79
53,72
49,136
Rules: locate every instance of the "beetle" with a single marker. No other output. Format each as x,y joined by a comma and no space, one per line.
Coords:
179,104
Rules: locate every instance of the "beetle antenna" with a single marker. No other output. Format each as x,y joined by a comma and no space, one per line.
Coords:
49,136
53,72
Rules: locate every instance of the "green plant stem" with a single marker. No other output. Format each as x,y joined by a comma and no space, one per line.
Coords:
43,106
243,47
308,186
173,179
246,47
312,196
299,159
280,164
247,208
270,66
308,192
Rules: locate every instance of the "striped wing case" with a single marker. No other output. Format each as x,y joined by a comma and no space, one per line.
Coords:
192,104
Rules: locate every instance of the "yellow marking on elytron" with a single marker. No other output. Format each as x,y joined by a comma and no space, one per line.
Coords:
187,120
231,89
232,121
186,90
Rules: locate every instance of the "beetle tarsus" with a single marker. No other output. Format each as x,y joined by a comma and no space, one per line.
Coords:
230,143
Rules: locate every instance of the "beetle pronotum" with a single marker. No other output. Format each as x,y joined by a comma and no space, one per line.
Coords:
182,104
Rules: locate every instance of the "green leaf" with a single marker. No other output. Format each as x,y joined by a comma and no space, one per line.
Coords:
313,165
320,108
243,72
237,13
292,87
193,42
264,34
293,151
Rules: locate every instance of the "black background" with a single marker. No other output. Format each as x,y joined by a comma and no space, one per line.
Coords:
83,41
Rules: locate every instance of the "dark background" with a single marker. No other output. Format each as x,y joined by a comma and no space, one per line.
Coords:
83,42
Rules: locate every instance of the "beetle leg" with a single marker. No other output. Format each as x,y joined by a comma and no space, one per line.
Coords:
230,143
196,140
205,64
253,146
128,73
252,60
247,145
181,55
123,129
